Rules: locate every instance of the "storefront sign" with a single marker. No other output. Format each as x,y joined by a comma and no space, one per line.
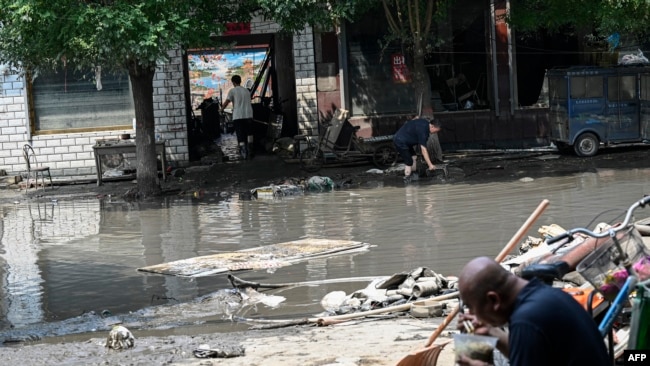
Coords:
235,29
401,72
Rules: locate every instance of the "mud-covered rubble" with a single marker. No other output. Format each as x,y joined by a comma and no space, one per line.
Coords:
401,288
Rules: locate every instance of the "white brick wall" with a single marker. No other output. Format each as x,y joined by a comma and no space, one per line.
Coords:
169,108
71,154
305,69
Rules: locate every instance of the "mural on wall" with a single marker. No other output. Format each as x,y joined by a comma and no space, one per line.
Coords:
210,72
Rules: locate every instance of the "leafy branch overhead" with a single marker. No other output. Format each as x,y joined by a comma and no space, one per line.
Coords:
43,34
293,15
598,16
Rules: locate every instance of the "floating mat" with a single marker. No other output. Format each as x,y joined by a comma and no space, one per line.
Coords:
270,256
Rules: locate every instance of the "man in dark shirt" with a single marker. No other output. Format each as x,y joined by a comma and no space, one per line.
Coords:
546,326
414,134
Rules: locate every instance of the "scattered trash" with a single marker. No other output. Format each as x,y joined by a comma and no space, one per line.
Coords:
400,288
252,297
396,169
222,351
333,300
375,171
318,183
284,147
632,58
120,338
113,173
427,309
276,191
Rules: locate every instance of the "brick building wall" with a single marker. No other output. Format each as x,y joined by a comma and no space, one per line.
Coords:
71,155
303,54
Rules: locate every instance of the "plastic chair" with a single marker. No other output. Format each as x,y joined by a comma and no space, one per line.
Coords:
33,169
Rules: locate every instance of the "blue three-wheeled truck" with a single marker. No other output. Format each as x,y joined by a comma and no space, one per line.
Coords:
590,106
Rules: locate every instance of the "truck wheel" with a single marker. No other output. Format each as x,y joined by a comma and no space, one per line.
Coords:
586,144
385,156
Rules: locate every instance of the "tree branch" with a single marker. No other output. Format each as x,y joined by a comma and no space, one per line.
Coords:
389,17
427,27
412,25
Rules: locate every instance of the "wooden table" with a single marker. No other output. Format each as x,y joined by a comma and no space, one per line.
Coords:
123,148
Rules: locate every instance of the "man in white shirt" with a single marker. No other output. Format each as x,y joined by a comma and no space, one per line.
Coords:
242,115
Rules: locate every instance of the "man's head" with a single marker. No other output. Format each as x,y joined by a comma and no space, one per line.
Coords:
489,290
236,79
434,125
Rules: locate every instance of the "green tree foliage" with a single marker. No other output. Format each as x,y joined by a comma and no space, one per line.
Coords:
114,34
294,15
599,16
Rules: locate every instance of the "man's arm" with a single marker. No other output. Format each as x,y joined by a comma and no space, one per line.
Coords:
225,103
502,339
425,154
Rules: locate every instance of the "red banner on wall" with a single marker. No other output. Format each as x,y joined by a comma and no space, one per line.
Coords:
401,72
235,29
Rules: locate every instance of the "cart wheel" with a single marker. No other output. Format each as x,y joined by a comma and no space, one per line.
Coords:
311,160
586,144
385,156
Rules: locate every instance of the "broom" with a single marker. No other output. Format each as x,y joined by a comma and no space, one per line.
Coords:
428,356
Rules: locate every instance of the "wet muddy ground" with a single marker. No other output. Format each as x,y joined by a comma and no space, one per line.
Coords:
236,176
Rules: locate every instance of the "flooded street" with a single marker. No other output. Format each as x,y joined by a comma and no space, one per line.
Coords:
63,259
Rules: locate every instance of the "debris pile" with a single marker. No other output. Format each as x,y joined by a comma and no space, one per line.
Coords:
401,288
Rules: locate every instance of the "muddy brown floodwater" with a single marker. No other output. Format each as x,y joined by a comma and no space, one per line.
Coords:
69,257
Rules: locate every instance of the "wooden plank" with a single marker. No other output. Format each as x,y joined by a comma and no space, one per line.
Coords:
270,256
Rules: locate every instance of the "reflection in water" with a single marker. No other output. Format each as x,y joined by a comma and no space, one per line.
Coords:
62,260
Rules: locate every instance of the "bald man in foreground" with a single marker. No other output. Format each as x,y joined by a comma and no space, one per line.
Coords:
546,326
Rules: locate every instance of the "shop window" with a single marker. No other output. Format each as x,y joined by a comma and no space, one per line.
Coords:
76,100
380,76
373,87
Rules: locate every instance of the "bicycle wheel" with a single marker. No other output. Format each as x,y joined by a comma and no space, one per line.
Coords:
312,159
384,156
